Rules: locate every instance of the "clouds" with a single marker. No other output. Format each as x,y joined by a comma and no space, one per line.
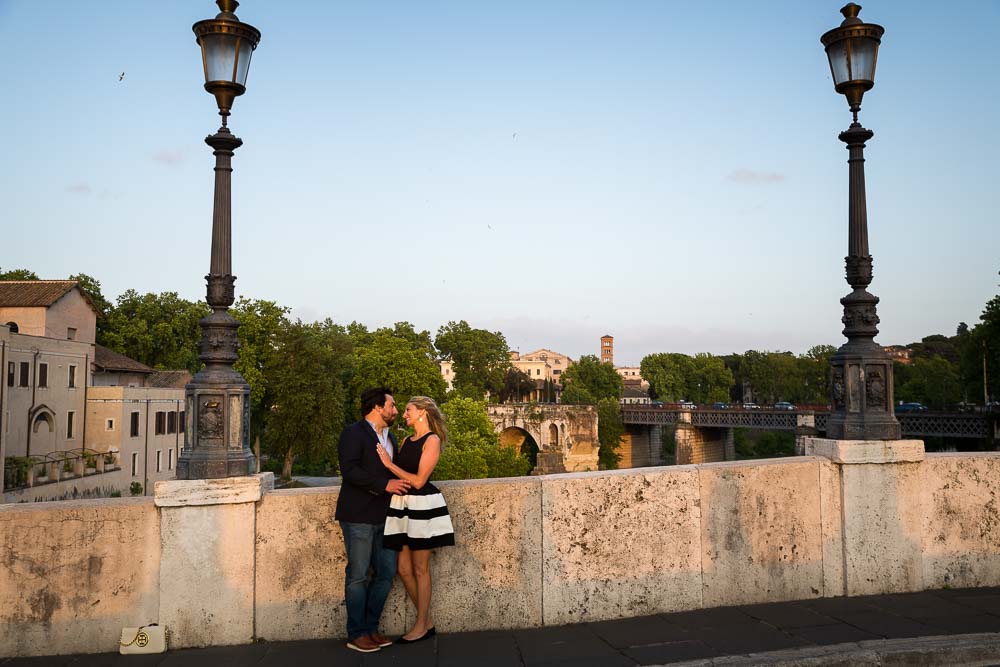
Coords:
754,177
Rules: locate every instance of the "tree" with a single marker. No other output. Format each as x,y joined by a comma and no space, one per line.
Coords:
710,380
18,274
159,330
481,358
589,380
814,369
933,381
473,449
516,385
304,383
667,374
610,430
261,323
772,376
390,360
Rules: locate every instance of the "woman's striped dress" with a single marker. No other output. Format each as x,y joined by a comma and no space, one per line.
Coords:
418,520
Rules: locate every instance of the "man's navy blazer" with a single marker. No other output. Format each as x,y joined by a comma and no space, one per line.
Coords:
363,498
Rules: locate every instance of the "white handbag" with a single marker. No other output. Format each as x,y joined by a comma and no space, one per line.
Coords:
144,639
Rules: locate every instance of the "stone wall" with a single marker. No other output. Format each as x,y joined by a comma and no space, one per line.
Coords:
532,551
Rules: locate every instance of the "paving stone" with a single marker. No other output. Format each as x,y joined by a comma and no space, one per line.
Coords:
559,643
217,656
639,631
840,633
671,652
827,606
308,653
922,605
787,615
421,654
987,603
616,660
964,625
486,649
718,617
760,639
886,625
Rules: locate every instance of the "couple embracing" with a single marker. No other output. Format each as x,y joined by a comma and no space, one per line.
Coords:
390,514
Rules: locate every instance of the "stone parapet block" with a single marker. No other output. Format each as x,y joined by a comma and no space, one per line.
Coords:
224,491
849,452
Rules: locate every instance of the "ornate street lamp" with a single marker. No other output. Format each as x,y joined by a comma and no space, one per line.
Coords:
216,436
861,373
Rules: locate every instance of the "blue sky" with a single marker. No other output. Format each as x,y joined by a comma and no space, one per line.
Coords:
665,172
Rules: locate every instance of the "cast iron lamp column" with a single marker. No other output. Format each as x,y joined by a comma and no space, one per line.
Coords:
216,435
861,371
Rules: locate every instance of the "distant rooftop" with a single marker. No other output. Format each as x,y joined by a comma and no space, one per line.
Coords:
37,293
109,360
168,379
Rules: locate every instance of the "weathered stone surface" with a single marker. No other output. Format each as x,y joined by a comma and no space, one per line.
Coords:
301,566
761,538
621,543
207,574
882,528
566,435
228,490
831,515
73,573
491,578
866,451
961,545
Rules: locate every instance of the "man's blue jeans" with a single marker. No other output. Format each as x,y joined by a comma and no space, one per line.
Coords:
365,593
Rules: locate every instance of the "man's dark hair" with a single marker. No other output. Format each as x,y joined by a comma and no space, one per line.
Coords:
373,398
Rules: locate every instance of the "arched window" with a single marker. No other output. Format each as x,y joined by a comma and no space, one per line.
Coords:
13,327
553,434
43,418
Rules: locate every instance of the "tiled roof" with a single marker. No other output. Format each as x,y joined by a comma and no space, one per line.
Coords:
168,379
36,293
110,360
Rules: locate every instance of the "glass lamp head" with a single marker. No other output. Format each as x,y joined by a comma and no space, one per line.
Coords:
227,45
852,50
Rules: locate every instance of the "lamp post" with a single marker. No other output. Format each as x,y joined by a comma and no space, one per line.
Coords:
216,435
861,371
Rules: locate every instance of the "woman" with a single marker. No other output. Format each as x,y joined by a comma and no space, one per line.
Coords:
419,521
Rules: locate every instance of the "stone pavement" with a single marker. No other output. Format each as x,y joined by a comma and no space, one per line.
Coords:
946,627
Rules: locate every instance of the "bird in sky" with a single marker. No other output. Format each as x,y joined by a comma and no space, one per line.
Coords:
121,77
514,136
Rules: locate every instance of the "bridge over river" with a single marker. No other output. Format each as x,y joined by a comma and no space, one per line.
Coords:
706,435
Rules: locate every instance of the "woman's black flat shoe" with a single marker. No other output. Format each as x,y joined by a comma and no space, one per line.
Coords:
427,635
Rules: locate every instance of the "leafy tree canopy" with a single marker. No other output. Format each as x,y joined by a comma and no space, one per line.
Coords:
159,330
588,380
473,449
18,274
481,358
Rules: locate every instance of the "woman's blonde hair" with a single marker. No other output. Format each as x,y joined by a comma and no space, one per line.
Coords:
435,420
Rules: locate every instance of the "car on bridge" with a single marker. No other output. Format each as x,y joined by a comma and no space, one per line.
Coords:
687,405
719,405
784,405
911,407
751,406
656,404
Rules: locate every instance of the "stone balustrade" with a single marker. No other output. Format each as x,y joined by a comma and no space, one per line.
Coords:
230,561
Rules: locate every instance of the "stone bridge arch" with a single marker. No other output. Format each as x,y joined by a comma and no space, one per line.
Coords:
566,435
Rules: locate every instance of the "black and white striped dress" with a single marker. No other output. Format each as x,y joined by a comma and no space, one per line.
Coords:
418,520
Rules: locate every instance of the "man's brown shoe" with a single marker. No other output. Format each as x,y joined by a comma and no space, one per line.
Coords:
381,640
364,643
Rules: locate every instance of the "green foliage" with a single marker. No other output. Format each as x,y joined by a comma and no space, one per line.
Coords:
115,494
473,449
403,363
672,377
933,382
610,430
588,381
305,393
92,288
18,274
135,489
15,471
481,358
260,324
159,330
763,444
517,385
772,376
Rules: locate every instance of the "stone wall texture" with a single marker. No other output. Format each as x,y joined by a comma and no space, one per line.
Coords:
533,551
73,573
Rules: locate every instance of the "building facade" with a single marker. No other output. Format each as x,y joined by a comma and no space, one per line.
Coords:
608,349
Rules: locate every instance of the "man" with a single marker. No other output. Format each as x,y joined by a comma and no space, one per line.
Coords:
365,492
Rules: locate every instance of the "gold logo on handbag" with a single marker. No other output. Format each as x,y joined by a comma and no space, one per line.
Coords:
144,639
